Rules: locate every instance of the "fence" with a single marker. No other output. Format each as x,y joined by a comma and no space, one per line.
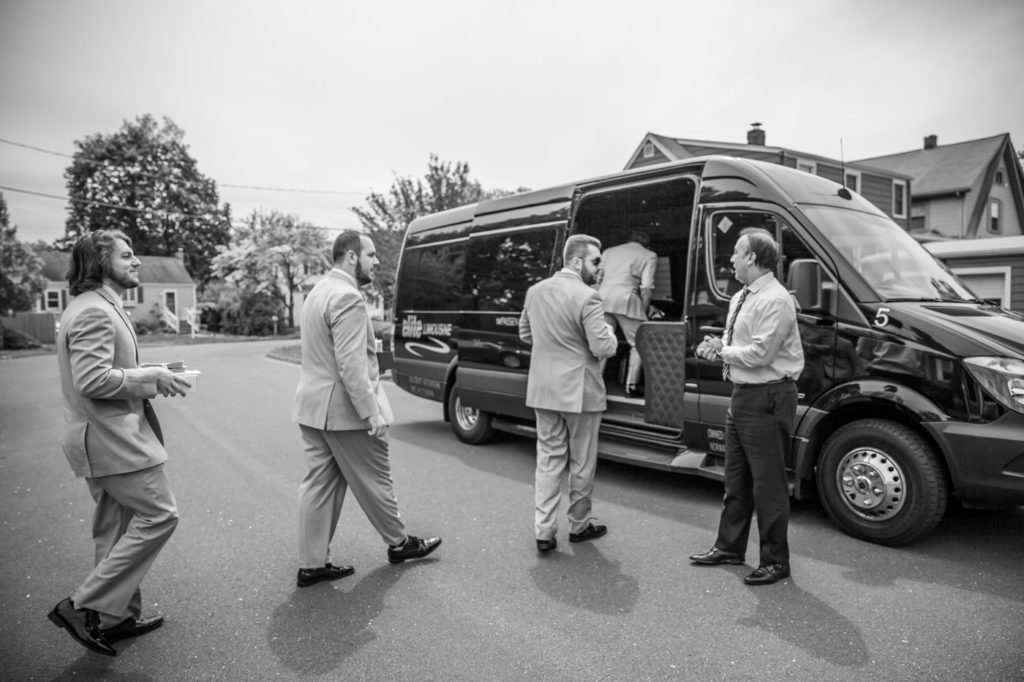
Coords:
40,326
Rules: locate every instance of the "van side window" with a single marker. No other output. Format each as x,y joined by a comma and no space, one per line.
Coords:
431,277
503,266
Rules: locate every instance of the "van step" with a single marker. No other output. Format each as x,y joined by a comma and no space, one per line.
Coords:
684,459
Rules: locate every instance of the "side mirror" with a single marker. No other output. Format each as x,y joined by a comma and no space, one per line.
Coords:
805,282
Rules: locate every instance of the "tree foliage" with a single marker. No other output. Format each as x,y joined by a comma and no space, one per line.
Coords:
272,254
21,270
386,216
143,181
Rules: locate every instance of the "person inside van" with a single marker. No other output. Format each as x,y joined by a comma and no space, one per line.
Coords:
626,289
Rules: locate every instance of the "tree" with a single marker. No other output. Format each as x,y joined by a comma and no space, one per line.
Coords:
386,216
143,181
21,270
271,255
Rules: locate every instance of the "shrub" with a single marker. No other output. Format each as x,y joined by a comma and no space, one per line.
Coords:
252,316
14,339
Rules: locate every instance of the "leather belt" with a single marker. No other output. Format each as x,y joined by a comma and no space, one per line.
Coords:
783,380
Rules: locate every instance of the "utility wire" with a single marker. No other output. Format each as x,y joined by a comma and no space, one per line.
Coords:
161,177
133,209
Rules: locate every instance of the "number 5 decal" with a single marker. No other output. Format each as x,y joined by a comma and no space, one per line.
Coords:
882,317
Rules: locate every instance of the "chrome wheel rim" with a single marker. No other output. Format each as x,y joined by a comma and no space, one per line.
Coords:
871,484
465,417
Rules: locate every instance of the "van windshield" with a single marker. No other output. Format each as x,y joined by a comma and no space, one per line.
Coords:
892,262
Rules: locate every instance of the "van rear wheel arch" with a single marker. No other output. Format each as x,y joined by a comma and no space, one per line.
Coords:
469,424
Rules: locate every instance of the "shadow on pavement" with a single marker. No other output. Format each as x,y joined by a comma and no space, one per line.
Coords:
586,579
320,626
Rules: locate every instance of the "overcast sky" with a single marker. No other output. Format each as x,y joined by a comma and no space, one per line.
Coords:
341,96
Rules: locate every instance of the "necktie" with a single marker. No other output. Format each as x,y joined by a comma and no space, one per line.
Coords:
727,337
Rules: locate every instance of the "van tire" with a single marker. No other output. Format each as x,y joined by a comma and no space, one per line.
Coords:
469,424
882,482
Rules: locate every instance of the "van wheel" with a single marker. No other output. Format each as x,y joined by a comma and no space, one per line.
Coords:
880,481
469,424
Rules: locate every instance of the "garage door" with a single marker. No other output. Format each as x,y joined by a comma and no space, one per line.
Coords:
989,285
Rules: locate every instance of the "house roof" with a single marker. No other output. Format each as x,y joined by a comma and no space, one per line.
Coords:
982,246
945,169
152,270
676,148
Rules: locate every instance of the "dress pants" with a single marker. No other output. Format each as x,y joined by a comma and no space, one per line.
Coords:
565,438
337,461
629,326
134,518
758,431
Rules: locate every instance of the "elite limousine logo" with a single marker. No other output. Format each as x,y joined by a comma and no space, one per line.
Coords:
414,328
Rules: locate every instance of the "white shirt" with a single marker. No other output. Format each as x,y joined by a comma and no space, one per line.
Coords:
765,344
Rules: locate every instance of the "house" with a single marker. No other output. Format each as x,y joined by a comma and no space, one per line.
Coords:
889,190
162,300
992,267
962,190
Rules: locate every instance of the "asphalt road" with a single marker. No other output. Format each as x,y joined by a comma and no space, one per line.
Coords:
485,607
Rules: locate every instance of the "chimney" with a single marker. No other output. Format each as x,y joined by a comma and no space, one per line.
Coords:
755,135
931,141
179,256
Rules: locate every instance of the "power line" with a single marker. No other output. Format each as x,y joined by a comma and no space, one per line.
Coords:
134,209
160,177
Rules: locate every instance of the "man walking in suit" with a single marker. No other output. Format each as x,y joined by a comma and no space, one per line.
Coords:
344,415
563,319
626,288
763,357
111,438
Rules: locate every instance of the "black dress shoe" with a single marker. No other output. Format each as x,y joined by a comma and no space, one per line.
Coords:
547,545
83,625
132,627
766,575
413,548
312,576
715,556
633,391
591,532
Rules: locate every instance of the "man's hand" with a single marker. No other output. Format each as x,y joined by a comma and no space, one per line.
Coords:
168,384
378,429
710,348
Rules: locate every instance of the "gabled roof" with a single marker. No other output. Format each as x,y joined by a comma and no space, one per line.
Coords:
676,148
153,269
945,169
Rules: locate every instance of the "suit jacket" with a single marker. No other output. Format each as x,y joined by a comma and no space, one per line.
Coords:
339,387
106,428
627,268
564,321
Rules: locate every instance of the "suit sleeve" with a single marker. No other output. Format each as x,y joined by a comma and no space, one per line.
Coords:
648,270
525,334
348,320
91,345
600,339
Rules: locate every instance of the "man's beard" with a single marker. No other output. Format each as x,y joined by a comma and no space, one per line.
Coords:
589,278
124,280
362,276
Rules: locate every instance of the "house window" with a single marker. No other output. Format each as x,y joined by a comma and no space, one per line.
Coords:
648,150
899,199
130,297
1000,178
853,180
52,300
994,210
807,166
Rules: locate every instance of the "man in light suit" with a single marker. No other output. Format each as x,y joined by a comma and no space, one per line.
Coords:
344,415
626,288
111,437
563,319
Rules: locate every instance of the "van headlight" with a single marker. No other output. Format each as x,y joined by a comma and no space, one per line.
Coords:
1003,378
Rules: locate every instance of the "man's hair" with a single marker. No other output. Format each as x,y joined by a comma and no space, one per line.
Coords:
763,246
90,259
640,235
349,240
578,245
